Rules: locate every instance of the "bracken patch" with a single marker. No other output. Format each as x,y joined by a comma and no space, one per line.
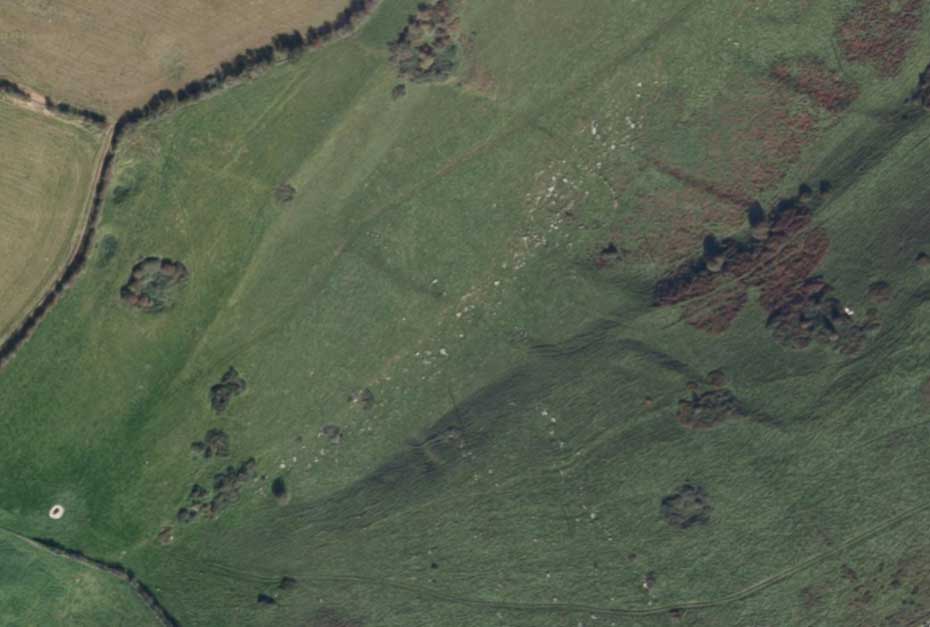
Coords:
811,78
881,33
779,259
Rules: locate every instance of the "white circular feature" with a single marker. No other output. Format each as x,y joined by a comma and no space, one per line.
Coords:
56,512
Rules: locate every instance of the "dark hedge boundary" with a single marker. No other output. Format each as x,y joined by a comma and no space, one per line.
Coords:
117,570
9,87
287,44
66,109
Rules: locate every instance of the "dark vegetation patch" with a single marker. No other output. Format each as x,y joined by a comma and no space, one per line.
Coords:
332,433
399,91
166,536
811,78
881,33
284,192
163,100
11,88
143,592
779,258
708,409
922,260
363,398
922,95
716,378
607,255
688,506
223,392
869,587
204,503
214,443
287,583
880,292
427,49
279,491
152,283
107,248
68,109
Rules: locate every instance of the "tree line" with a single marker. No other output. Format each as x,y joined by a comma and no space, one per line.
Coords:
287,43
66,109
9,87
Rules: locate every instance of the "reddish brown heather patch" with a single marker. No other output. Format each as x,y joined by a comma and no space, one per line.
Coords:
715,315
779,262
676,217
779,137
811,78
881,33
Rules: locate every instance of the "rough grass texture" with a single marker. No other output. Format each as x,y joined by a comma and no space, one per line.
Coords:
439,250
46,171
112,55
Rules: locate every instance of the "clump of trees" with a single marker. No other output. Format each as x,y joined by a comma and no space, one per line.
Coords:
11,88
67,109
427,49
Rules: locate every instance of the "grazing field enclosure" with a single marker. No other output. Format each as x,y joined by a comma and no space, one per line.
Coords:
46,173
113,54
500,314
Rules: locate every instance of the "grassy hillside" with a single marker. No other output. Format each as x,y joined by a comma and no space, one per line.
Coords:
46,172
37,588
442,305
112,56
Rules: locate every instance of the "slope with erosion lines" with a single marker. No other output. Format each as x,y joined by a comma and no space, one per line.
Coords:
508,442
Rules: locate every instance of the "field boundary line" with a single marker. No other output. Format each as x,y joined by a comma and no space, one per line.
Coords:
126,575
330,32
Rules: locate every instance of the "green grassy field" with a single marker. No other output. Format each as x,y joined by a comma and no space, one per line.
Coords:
37,588
111,56
441,250
46,173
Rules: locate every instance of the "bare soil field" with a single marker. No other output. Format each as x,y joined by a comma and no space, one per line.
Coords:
112,55
46,175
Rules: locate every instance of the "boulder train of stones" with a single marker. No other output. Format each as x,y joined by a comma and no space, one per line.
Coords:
151,281
229,386
687,507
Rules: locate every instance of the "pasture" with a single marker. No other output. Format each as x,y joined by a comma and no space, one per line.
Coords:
46,172
416,372
110,55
